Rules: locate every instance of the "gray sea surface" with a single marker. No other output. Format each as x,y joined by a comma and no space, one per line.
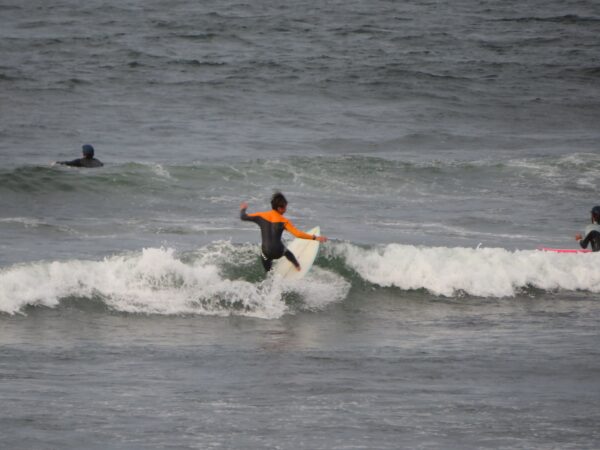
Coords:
439,145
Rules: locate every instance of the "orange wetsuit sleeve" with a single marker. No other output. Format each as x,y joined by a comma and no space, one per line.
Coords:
296,232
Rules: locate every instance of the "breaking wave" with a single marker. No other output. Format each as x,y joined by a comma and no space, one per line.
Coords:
227,279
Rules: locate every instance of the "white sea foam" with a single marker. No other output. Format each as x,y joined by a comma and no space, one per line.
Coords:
160,170
582,169
319,289
32,222
26,221
484,272
157,281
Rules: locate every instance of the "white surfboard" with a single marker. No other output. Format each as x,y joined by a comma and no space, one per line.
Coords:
305,251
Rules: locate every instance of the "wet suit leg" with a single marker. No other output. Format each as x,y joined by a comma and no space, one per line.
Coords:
268,262
291,258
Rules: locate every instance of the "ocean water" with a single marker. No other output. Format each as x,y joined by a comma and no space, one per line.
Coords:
438,145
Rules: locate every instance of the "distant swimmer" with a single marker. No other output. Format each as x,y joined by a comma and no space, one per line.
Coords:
272,223
88,159
592,232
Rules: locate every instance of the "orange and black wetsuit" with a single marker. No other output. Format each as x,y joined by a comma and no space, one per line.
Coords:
271,225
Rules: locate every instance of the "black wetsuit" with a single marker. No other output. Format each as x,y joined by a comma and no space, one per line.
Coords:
592,237
271,225
82,162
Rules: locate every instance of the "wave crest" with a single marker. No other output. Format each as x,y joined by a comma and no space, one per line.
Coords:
157,281
485,272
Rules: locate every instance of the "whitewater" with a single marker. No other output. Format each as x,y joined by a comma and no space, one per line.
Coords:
160,281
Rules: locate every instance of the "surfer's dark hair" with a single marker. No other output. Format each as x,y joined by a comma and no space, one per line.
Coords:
595,214
278,201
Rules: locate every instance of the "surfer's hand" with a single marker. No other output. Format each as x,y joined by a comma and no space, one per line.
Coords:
322,238
298,268
243,205
578,237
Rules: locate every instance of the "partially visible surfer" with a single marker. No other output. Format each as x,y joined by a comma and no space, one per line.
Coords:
592,232
87,161
272,223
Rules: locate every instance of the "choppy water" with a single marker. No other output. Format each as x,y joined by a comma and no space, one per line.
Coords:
439,144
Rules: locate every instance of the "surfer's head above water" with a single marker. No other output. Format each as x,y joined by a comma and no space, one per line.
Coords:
278,201
88,160
87,150
595,214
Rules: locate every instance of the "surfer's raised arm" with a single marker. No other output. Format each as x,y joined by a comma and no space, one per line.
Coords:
243,214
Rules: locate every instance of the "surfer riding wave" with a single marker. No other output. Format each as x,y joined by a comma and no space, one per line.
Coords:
272,223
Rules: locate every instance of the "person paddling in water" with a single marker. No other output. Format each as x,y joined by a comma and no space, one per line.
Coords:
87,161
272,223
592,232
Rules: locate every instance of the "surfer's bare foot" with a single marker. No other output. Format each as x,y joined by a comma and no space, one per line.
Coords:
298,268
